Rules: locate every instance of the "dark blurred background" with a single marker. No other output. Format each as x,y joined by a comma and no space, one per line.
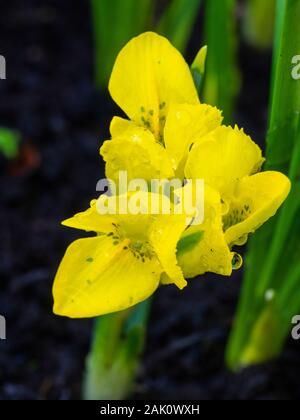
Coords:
50,97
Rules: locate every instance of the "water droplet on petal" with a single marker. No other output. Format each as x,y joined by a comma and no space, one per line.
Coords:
224,207
242,240
183,117
93,203
237,261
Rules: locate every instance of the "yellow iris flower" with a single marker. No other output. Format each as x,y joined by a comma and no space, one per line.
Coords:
169,134
122,265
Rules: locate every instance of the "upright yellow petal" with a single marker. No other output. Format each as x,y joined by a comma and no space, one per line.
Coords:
256,199
149,75
223,157
185,125
136,152
98,276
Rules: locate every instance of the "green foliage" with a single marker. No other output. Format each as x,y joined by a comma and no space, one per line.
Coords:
270,296
178,21
222,80
117,345
258,24
115,23
9,142
198,69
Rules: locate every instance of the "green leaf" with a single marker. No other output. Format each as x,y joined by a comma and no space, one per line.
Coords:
115,23
9,142
222,79
258,23
178,21
286,90
270,294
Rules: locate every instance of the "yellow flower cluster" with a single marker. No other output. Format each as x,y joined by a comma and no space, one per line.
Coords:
169,134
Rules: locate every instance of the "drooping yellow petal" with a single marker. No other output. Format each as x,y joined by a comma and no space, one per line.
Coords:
98,276
223,157
210,253
256,199
139,154
185,125
164,236
149,75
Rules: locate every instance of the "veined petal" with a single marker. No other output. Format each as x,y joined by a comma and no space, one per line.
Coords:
97,277
223,157
211,252
149,75
164,236
139,154
185,125
256,199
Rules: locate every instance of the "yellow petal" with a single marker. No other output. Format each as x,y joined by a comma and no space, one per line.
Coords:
139,154
223,157
164,236
120,126
211,253
185,125
256,199
149,75
97,277
91,221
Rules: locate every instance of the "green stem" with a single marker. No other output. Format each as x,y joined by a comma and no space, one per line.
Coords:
116,349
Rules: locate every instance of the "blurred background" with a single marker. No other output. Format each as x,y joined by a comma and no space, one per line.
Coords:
54,114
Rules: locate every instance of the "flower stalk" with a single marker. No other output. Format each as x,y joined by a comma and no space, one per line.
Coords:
117,345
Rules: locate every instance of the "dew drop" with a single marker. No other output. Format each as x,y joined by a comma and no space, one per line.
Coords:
242,240
183,117
93,203
237,261
224,207
269,295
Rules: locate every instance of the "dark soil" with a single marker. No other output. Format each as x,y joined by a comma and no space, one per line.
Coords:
49,96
